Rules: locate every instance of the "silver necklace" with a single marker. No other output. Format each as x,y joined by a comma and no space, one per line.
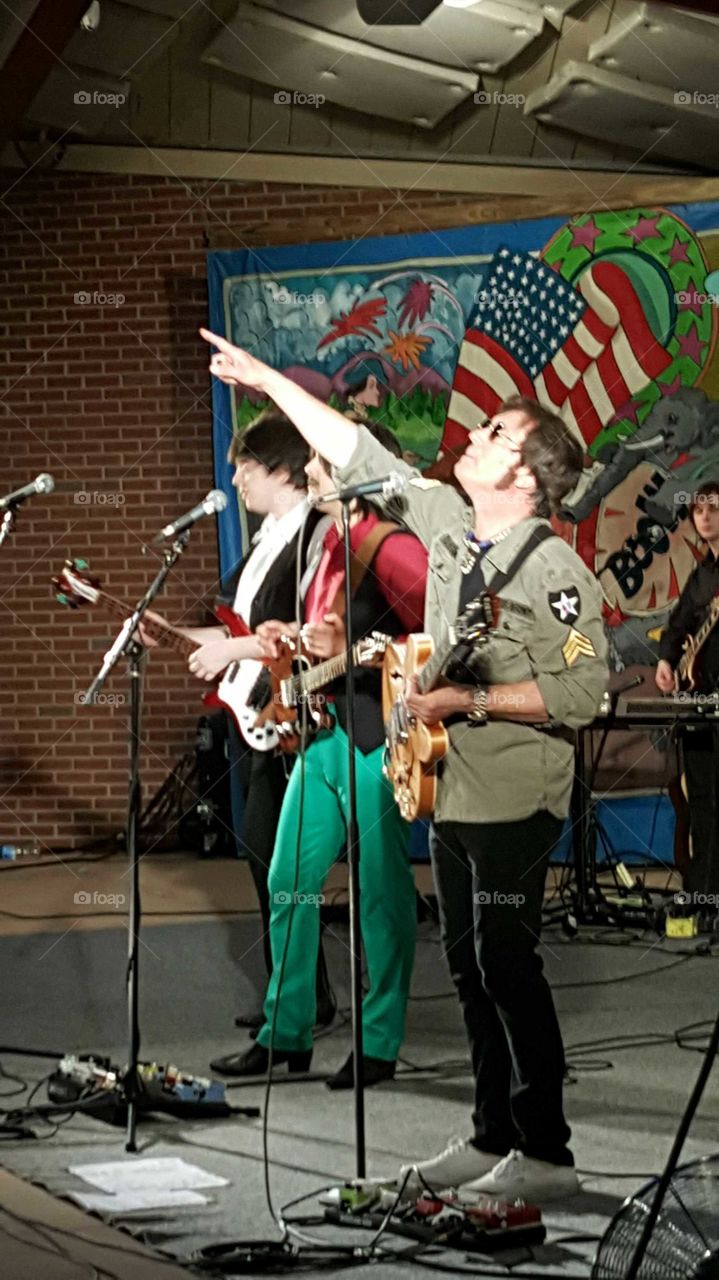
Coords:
473,548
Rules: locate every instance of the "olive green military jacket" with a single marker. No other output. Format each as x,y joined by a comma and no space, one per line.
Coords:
549,630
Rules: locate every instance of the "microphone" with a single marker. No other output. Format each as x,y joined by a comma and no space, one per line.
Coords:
631,684
216,500
41,484
387,486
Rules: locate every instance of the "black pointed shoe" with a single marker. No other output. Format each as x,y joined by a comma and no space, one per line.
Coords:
375,1071
255,1060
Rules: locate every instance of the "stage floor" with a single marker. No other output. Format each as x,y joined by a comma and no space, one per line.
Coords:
63,991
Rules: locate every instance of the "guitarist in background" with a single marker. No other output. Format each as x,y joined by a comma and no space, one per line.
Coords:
389,597
507,779
269,459
700,745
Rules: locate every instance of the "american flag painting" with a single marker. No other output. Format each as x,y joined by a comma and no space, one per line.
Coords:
583,351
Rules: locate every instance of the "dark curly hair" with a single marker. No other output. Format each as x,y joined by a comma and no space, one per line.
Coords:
554,456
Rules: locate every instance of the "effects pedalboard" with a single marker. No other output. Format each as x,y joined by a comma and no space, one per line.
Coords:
482,1225
106,1090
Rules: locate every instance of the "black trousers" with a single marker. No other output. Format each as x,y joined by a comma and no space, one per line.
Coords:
701,763
258,780
490,887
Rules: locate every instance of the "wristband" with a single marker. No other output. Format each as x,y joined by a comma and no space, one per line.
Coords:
478,714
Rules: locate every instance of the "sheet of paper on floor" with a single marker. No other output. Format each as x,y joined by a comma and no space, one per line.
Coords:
135,1200
163,1173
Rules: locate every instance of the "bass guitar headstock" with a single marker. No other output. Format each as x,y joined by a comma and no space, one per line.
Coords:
74,586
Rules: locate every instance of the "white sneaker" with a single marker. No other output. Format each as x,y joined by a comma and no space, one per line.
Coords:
519,1177
458,1163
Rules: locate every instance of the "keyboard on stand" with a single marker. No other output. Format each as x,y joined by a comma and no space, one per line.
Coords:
655,710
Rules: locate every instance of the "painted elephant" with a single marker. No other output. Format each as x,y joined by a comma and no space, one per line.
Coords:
686,423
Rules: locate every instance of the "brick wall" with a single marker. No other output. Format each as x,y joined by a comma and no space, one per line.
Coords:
115,402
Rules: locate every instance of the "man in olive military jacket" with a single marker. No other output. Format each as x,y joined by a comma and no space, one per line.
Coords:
505,786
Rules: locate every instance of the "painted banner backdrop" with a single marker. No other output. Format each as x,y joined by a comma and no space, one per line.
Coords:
610,317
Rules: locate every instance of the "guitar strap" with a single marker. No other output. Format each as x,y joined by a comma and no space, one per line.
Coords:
538,535
360,561
502,577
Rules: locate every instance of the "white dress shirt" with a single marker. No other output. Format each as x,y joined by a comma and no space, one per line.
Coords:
271,538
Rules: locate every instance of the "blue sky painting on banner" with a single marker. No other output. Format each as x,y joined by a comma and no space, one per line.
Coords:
610,317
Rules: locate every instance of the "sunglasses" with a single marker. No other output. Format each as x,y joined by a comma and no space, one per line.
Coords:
497,431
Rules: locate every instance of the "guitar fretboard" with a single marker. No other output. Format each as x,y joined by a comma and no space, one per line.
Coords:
161,632
324,673
431,670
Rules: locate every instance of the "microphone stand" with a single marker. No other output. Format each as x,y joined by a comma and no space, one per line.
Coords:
588,898
353,859
126,644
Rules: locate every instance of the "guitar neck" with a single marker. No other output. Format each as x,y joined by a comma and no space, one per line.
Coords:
162,632
473,624
428,676
315,677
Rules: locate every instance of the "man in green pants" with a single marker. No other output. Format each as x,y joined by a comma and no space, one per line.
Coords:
390,599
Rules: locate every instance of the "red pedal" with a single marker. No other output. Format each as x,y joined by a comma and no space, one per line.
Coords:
498,1215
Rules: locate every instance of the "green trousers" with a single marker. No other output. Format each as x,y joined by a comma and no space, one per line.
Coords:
387,896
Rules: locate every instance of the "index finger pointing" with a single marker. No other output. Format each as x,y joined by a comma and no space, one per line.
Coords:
221,343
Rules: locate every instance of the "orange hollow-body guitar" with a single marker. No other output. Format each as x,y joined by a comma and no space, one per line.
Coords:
413,750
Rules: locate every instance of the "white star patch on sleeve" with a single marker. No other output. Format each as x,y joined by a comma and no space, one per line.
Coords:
565,604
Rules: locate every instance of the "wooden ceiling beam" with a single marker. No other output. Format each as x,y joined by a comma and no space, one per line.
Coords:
31,60
406,218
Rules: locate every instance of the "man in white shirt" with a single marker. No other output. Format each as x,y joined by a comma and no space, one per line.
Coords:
269,459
